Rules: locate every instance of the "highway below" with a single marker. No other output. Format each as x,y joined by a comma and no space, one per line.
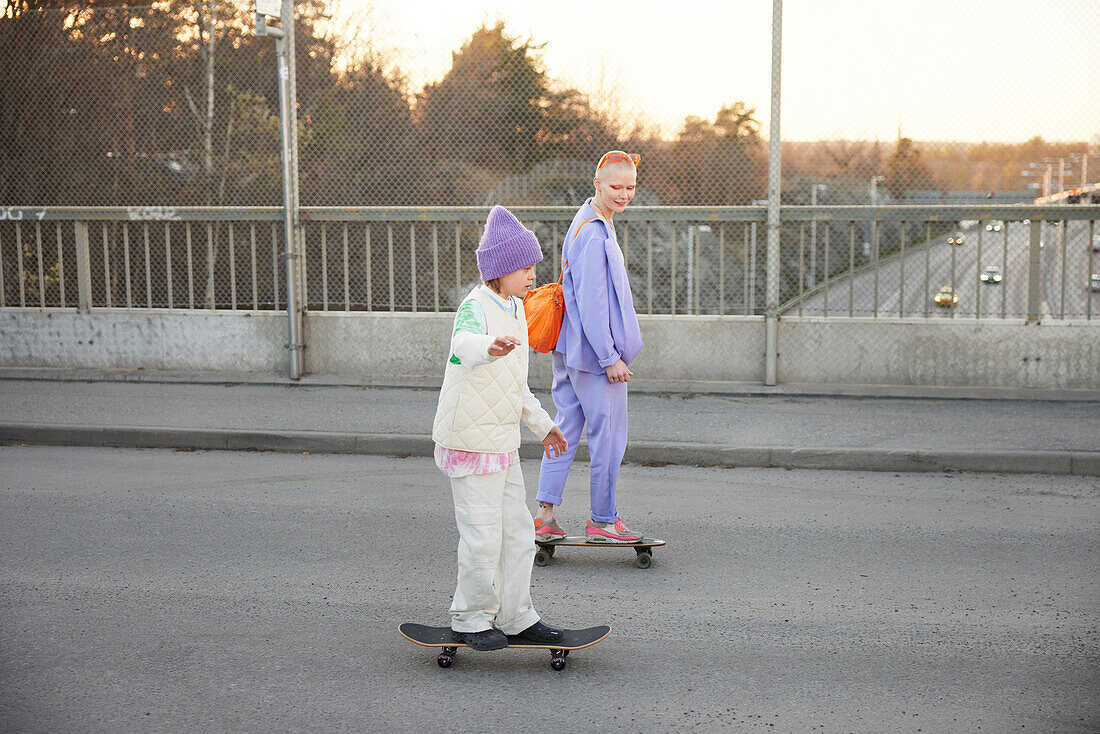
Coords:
905,285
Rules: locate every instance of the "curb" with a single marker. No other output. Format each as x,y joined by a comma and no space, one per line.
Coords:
664,453
639,386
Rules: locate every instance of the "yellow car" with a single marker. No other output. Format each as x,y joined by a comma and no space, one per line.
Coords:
946,297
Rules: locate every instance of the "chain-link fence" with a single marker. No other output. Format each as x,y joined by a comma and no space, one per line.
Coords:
176,105
166,106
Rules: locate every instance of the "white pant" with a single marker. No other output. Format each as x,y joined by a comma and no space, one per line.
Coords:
496,549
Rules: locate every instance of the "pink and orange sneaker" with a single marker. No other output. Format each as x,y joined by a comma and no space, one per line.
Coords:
606,532
548,530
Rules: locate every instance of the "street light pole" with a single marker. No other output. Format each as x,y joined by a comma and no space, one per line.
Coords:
875,181
813,233
873,234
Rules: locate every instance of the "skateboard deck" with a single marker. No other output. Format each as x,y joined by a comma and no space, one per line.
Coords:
446,638
644,548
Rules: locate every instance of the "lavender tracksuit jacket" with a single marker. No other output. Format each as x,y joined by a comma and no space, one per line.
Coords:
600,325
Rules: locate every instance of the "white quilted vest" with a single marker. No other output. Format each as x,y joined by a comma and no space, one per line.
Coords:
480,407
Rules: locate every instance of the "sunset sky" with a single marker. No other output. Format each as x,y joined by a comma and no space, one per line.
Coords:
940,69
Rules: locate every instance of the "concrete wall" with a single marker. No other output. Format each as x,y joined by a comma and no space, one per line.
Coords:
415,345
940,352
907,352
144,339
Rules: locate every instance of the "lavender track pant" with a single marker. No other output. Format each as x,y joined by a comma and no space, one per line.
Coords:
583,397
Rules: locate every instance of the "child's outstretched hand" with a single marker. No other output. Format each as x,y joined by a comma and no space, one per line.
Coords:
554,440
503,345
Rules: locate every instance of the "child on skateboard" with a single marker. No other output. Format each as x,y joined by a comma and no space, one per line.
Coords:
599,339
477,434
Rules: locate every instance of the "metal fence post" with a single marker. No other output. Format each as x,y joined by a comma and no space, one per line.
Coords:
288,129
1035,259
771,316
83,267
296,262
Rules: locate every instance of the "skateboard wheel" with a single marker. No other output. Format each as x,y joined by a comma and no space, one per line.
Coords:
644,560
557,663
444,660
542,558
550,549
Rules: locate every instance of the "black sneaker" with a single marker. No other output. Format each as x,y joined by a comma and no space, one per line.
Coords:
539,633
490,639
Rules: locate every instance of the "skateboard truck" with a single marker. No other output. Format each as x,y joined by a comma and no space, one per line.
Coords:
447,657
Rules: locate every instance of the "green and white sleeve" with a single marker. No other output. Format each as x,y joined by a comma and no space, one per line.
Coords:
470,340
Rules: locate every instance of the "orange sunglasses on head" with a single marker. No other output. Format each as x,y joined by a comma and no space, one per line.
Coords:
619,158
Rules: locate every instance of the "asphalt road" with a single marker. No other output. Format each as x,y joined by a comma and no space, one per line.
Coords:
222,591
905,286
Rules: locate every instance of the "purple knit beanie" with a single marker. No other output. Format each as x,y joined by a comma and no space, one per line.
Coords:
506,246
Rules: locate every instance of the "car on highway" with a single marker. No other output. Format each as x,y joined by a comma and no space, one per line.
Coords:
1094,282
1096,243
946,297
956,239
991,275
993,225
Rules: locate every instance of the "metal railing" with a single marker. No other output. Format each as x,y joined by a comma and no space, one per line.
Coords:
834,262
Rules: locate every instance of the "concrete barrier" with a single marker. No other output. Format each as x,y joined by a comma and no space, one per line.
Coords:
940,352
686,349
152,339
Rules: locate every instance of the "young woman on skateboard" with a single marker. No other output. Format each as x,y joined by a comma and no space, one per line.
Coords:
599,339
483,400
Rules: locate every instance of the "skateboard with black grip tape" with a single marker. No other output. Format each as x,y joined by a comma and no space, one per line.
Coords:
449,641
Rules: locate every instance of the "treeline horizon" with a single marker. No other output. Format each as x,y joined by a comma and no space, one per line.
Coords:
124,104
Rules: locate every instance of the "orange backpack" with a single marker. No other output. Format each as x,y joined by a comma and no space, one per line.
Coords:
545,307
